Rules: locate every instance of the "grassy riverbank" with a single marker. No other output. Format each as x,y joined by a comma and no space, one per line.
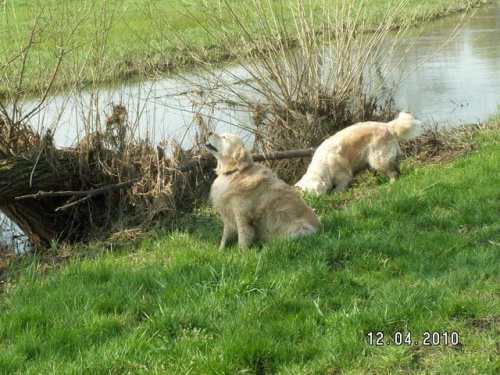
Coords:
93,41
417,256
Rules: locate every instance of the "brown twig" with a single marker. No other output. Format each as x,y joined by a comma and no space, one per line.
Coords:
78,193
92,193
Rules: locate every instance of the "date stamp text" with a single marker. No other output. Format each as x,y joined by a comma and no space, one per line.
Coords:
428,338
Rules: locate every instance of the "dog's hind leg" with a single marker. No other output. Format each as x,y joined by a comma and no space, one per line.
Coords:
246,232
393,173
228,236
390,169
342,180
302,230
386,161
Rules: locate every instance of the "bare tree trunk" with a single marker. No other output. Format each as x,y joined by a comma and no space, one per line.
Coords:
27,174
40,224
21,175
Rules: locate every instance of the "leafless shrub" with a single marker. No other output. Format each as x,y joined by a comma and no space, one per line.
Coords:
159,192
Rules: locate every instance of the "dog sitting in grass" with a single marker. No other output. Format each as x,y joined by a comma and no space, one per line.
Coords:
357,147
254,204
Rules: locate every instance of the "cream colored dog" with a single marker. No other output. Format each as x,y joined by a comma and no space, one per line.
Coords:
359,146
253,203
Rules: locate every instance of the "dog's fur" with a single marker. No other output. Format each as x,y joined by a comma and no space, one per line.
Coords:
253,203
359,146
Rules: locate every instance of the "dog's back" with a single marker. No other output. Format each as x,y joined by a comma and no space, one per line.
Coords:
362,145
280,212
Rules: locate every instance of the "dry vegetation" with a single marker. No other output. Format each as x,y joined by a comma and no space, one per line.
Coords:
442,144
106,183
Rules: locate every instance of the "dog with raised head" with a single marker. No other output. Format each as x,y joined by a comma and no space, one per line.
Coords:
253,203
363,145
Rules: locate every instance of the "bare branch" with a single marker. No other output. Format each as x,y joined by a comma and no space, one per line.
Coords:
210,162
79,193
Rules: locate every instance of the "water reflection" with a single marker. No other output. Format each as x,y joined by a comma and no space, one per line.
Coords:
157,110
461,84
11,237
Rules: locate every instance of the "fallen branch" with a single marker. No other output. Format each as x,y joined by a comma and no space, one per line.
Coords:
94,192
75,203
15,172
78,193
87,194
206,162
284,155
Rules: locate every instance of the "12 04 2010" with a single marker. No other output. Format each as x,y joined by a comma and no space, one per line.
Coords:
427,338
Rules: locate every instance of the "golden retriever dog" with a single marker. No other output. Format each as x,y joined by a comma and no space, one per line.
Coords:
359,146
254,204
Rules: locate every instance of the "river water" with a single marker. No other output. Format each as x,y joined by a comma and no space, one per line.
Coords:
459,85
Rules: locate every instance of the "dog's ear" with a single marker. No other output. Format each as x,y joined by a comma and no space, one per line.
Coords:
242,158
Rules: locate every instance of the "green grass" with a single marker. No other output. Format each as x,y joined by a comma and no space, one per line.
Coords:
117,39
415,256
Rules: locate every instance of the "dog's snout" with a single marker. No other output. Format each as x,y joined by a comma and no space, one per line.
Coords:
210,133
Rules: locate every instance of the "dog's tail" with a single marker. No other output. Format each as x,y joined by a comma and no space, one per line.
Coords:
406,126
